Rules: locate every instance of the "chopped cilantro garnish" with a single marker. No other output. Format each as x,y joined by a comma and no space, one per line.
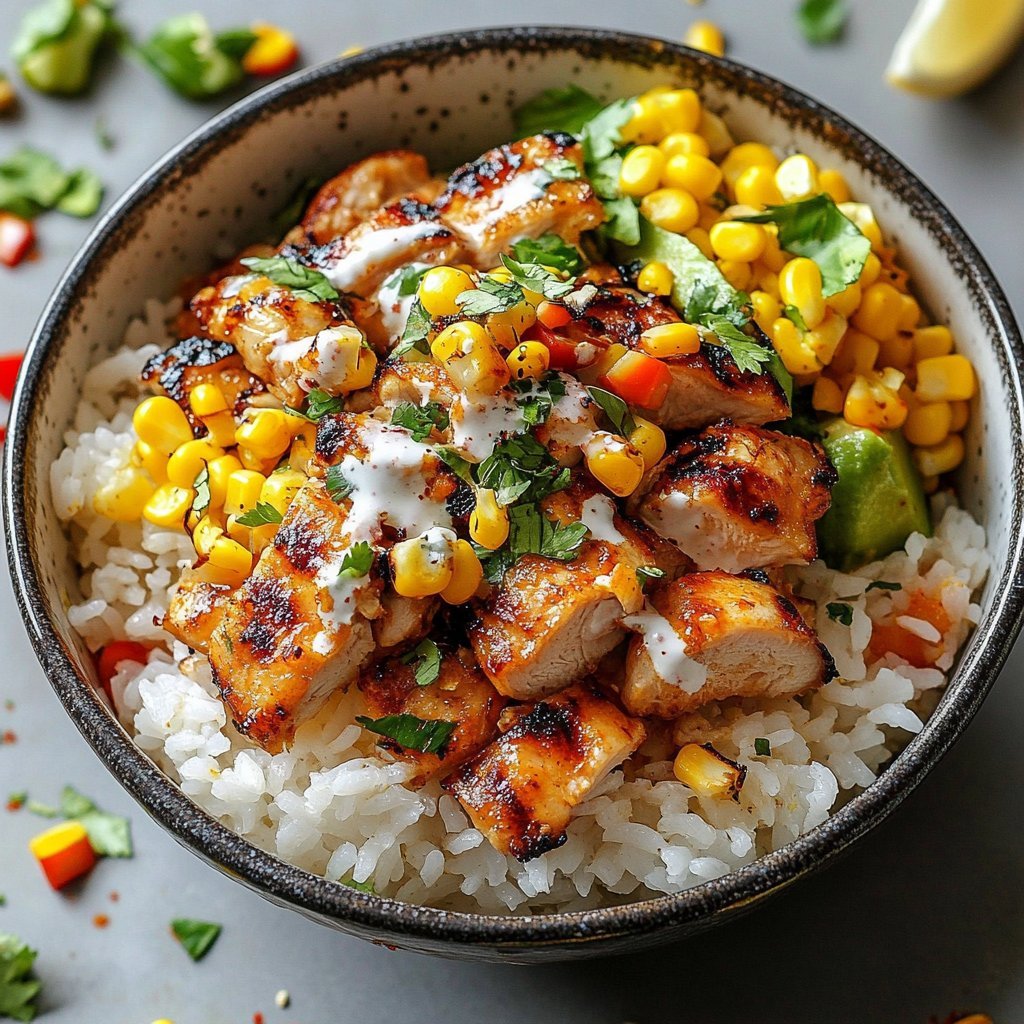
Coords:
615,409
426,736
32,181
357,562
520,468
561,169
644,573
417,330
536,398
748,355
794,314
838,612
201,484
566,109
551,251
883,585
490,296
762,747
264,514
428,662
109,834
456,463
533,277
18,986
358,886
320,404
822,21
305,282
338,487
196,936
419,420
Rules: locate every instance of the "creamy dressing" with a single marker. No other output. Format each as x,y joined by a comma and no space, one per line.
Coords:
515,193
571,422
597,516
324,360
478,426
395,308
667,650
677,518
374,248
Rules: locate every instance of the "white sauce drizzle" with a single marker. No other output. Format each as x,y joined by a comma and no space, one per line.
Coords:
325,360
597,516
395,308
477,426
516,192
372,249
667,650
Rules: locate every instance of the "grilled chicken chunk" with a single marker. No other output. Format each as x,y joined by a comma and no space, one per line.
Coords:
736,497
460,694
402,620
195,361
351,196
292,344
195,609
708,636
399,381
521,791
548,622
508,194
288,639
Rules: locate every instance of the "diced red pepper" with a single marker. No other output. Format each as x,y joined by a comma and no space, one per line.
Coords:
64,853
273,51
551,314
17,236
562,353
638,379
9,366
113,654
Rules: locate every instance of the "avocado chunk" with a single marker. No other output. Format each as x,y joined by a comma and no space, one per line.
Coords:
878,501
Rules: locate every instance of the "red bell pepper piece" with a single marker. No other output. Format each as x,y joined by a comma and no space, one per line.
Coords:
17,237
9,366
113,654
562,353
273,51
638,379
64,853
551,314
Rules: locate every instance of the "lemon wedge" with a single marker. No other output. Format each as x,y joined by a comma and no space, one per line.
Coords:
950,46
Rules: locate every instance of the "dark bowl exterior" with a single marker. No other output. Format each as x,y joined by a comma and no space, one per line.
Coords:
542,937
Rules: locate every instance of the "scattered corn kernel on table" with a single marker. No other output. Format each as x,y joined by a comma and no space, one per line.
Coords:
922,920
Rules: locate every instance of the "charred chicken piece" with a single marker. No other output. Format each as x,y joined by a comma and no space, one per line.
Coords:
195,609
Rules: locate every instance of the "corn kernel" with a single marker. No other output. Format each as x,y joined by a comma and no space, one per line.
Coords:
146,457
824,340
678,110
788,341
871,403
244,487
229,555
870,271
440,287
467,572
864,217
707,37
898,351
667,340
704,770
756,187
649,440
267,434
680,143
220,469
280,488
833,184
745,155
734,240
472,359
932,341
827,396
160,422
641,170
488,522
739,275
960,414
220,429
206,531
655,279
857,353
614,462
124,496
716,132
645,125
168,505
797,177
768,282
671,209
909,314
709,216
800,286
766,309
508,326
187,461
207,399
928,423
424,565
945,378
696,174
940,458
528,360
700,238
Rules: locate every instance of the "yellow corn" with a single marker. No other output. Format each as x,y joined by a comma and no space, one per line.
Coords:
744,156
281,487
614,462
655,279
230,556
696,174
530,359
879,311
897,351
678,110
467,572
857,353
788,341
471,357
940,458
797,177
424,565
870,271
649,440
768,281
716,132
864,217
507,326
827,396
124,496
928,423
800,286
641,170
220,429
146,457
243,490
303,447
833,184
680,143
870,402
932,341
488,522
766,309
824,340
207,399
756,187
960,413
160,422
707,37
670,208
846,301
206,531
666,340
773,257
707,772
700,238
168,505
734,240
739,275
440,287
188,459
945,378
220,469
267,434
909,314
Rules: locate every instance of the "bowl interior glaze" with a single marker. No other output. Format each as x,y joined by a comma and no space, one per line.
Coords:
452,98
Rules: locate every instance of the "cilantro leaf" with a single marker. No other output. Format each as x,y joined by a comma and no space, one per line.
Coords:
358,886
748,354
32,181
534,277
615,409
490,296
291,213
794,314
838,612
264,514
537,397
428,658
762,747
601,134
201,484
419,420
196,936
562,169
557,110
882,585
822,21
109,834
305,282
551,251
417,329
816,228
18,986
456,463
428,736
338,487
521,468
320,404
357,562
623,221
645,573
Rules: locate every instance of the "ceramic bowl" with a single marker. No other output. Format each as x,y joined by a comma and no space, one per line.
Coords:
452,97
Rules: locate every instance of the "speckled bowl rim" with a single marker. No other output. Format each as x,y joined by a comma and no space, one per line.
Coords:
695,907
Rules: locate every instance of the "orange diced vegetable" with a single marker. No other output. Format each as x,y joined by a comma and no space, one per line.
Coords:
64,853
551,314
274,51
639,379
113,654
17,237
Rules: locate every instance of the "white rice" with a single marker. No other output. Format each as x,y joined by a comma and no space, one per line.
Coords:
335,805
